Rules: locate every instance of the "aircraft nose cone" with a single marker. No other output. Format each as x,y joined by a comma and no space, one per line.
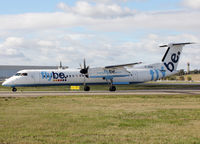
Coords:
7,83
4,83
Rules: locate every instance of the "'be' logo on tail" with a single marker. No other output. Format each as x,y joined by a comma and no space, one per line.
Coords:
174,59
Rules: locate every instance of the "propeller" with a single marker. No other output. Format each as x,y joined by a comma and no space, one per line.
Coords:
85,68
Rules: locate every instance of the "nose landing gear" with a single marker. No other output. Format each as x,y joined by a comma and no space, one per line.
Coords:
14,89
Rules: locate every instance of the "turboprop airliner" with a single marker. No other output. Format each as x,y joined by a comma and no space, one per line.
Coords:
111,75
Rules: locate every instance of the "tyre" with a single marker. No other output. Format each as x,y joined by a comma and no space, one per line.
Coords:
86,88
112,88
14,89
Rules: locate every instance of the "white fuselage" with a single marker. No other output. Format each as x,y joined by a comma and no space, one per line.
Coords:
74,77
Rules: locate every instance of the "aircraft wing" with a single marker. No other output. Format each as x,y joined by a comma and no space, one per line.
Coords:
110,72
122,65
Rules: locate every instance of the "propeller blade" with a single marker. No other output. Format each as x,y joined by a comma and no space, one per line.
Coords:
80,66
60,64
85,68
84,63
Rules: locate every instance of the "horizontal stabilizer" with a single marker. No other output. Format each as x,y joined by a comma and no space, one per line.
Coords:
176,44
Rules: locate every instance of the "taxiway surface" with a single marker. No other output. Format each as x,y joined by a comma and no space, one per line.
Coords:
82,93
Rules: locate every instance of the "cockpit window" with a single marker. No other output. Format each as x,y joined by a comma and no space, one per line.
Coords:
21,74
24,74
18,74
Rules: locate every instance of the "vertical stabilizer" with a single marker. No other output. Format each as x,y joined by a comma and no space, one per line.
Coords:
172,55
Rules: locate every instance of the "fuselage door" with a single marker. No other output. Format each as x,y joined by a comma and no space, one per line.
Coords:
134,76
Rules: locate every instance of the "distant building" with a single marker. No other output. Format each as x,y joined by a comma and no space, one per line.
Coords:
7,71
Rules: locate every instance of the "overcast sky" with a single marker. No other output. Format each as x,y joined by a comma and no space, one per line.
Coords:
105,32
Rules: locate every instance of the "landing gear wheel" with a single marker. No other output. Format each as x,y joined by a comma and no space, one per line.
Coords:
112,88
14,89
86,88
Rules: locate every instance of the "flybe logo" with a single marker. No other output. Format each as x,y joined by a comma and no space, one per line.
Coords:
54,76
174,59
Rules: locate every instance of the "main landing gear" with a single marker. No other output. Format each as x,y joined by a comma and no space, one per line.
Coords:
86,88
112,87
14,89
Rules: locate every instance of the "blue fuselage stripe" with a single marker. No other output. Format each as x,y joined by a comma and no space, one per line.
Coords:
65,84
107,76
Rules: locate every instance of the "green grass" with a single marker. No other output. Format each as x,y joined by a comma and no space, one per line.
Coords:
100,119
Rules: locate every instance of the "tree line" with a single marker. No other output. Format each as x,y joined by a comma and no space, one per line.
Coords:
181,75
